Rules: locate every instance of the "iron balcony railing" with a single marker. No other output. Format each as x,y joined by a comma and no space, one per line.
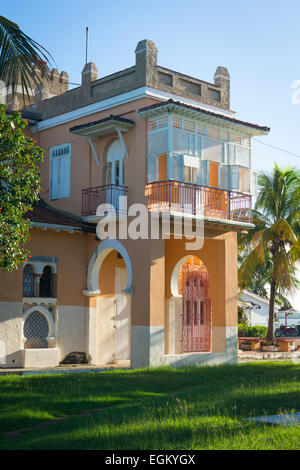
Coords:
106,194
176,196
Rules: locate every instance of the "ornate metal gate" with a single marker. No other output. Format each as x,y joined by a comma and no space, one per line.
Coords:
196,309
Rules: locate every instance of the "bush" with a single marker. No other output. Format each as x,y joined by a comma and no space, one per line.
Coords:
252,331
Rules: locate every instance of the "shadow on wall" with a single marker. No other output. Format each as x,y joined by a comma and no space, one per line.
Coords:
10,360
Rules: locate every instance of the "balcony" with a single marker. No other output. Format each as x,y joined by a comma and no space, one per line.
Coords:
106,194
196,200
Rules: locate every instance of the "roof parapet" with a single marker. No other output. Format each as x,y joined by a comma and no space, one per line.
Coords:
89,73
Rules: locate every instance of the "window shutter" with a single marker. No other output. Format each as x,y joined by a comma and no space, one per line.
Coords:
253,183
60,164
203,173
65,176
55,178
153,169
224,177
235,178
244,180
177,167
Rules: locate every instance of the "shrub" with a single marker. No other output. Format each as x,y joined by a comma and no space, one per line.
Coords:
256,331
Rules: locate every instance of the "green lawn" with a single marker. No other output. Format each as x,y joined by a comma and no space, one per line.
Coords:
165,408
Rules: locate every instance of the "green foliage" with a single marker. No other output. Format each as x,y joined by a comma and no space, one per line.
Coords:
242,319
21,58
270,251
19,187
255,331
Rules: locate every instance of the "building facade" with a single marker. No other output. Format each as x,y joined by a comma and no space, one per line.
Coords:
168,147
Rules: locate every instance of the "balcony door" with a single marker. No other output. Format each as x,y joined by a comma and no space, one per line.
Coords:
115,164
114,173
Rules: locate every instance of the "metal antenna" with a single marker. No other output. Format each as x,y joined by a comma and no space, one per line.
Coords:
86,43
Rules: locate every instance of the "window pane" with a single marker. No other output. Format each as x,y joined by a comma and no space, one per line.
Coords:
28,281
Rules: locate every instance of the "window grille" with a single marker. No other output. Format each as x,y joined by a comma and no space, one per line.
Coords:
163,122
212,150
177,122
235,138
213,133
183,142
28,281
36,330
158,142
46,283
152,125
188,126
224,136
201,130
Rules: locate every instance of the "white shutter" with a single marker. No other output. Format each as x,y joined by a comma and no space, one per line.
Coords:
235,178
60,165
253,183
244,180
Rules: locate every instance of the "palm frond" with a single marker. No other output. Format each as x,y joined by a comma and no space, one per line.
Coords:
21,58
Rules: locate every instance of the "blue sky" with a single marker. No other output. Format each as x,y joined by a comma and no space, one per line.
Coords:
258,41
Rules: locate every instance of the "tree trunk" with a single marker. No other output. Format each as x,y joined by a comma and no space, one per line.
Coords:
270,333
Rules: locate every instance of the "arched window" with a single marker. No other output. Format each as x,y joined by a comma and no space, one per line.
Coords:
28,281
36,331
46,283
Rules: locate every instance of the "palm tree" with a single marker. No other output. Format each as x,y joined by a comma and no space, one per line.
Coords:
274,243
22,60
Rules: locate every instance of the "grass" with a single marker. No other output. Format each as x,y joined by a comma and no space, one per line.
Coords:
164,408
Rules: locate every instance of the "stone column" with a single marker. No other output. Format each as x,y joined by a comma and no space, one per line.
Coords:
89,74
146,62
222,80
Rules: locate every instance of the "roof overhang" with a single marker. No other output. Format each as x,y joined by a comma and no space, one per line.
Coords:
97,129
208,117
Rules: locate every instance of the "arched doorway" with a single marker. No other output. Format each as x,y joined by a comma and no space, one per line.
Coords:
110,281
193,284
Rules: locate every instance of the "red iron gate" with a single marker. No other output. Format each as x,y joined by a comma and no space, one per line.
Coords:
196,309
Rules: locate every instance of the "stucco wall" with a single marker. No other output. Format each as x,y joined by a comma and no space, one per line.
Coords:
84,171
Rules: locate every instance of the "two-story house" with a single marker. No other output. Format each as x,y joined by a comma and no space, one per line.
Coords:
169,143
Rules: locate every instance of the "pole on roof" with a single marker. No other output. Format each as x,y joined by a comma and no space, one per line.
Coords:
86,43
